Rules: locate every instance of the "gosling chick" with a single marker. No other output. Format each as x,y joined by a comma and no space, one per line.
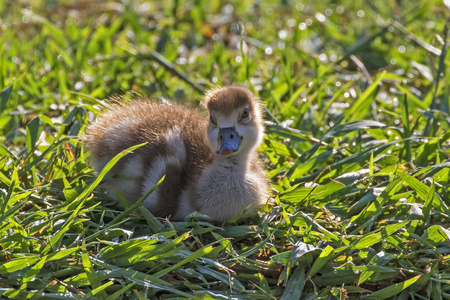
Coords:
210,166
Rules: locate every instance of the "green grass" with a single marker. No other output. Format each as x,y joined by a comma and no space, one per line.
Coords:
357,147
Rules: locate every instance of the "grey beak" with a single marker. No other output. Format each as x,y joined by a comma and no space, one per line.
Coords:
228,141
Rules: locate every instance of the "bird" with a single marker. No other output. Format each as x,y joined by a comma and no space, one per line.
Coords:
209,157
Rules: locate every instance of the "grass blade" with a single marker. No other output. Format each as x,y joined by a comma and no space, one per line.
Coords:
392,290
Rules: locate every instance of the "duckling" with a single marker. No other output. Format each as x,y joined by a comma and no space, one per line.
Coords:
210,162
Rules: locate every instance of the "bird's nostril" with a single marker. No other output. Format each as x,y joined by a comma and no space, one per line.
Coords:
220,137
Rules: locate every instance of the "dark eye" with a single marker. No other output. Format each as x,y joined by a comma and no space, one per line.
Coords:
245,114
212,120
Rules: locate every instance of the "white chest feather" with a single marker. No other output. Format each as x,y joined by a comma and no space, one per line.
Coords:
226,191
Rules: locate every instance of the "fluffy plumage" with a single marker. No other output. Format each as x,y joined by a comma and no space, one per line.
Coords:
210,162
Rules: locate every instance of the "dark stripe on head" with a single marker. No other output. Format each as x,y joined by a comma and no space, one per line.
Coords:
226,99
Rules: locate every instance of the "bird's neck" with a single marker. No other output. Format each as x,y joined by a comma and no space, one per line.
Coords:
232,162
